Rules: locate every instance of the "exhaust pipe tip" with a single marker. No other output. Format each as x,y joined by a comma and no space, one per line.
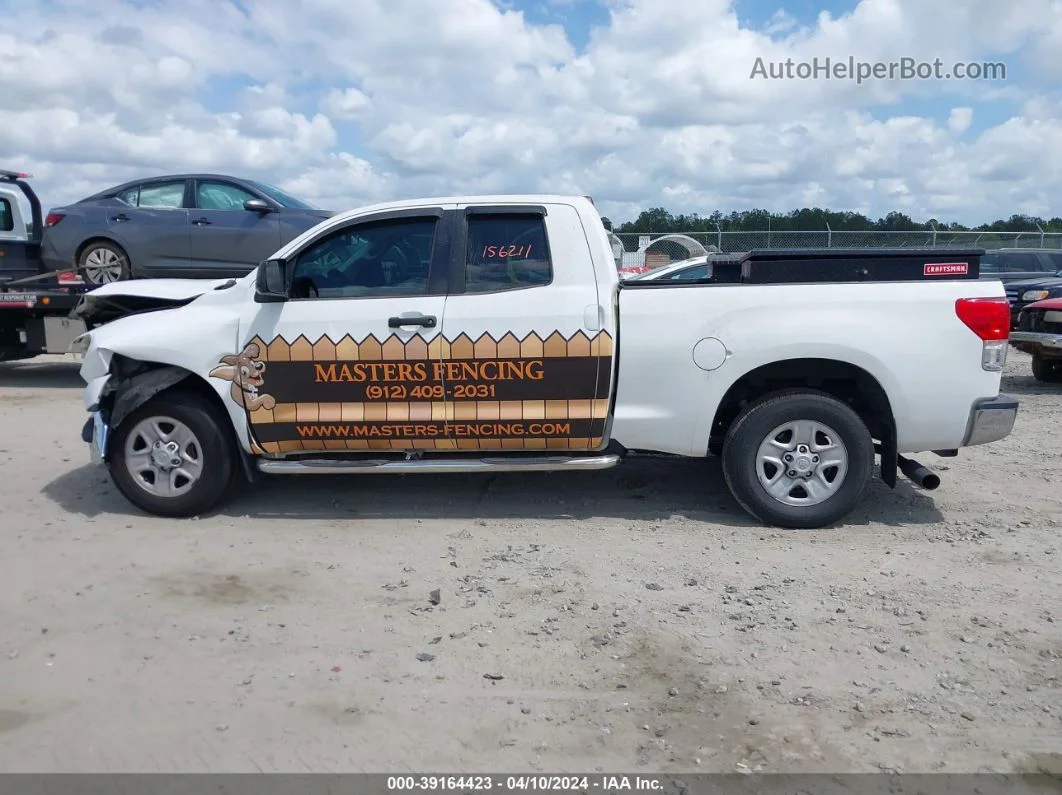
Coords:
919,475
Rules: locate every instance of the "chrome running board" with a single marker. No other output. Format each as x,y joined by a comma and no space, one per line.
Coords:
321,466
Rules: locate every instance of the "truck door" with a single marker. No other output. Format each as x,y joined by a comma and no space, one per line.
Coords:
349,361
527,359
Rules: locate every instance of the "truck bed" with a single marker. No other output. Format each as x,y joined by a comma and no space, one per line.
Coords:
684,345
837,265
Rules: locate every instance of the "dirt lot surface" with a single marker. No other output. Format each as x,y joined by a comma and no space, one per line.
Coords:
626,620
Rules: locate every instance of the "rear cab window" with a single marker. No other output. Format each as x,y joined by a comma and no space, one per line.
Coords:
506,251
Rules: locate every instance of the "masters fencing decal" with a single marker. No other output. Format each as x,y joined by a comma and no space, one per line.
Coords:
461,394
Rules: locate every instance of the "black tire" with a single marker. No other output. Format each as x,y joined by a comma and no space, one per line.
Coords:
216,447
97,250
1048,371
755,424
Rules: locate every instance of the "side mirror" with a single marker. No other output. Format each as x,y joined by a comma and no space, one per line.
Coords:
257,206
271,282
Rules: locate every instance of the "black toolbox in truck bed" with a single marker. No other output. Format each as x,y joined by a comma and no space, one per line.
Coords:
796,266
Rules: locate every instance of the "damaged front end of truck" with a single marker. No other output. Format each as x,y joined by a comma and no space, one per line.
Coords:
145,337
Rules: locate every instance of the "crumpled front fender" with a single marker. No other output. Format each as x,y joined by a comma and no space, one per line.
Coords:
175,343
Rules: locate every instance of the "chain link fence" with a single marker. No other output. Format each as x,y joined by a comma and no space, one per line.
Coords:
640,250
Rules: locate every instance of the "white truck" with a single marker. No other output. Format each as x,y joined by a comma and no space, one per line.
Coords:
492,333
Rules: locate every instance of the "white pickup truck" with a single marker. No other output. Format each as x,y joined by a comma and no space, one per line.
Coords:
493,333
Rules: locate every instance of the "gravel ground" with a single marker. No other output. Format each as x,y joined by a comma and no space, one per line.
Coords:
622,620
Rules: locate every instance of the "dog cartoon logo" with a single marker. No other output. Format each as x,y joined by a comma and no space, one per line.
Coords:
245,371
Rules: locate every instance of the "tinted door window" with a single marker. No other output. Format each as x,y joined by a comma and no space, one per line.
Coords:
383,259
220,196
7,216
506,252
1021,263
162,195
1053,260
130,196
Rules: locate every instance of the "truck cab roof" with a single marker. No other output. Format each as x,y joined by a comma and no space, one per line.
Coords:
530,199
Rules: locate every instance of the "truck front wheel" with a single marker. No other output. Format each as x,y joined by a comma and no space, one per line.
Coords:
172,456
798,459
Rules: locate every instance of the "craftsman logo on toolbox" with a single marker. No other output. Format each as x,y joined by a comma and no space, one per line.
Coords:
946,269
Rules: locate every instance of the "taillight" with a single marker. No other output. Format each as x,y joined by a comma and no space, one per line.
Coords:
53,218
989,319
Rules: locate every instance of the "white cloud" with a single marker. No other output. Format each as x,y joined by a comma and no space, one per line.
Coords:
346,103
960,119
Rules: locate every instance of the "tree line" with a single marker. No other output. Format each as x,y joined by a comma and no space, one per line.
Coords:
815,220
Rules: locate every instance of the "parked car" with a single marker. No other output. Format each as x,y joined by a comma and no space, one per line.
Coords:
1040,334
183,225
493,334
1019,264
692,268
1022,293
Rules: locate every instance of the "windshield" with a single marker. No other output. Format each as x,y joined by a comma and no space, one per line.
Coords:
284,199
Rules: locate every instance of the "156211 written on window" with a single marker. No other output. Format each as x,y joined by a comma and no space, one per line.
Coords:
506,252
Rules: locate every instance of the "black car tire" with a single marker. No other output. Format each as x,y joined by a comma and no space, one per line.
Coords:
216,452
1048,371
754,426
100,253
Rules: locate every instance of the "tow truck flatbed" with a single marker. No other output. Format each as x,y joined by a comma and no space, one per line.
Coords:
35,306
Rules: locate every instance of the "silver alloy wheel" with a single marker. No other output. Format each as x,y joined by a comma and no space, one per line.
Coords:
163,456
802,462
102,265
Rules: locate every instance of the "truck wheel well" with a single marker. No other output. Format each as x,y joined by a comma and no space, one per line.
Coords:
137,377
851,384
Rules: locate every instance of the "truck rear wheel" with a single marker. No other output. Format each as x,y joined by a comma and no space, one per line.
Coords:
173,456
798,459
1048,371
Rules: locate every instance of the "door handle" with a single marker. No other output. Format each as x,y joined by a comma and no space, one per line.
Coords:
427,321
120,217
201,222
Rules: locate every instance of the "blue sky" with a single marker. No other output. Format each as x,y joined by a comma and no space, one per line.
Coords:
640,103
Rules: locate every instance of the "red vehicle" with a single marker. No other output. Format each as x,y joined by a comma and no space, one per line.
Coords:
1040,334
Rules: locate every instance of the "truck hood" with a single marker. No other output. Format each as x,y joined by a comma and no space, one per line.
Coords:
1047,303
165,289
119,299
1046,283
